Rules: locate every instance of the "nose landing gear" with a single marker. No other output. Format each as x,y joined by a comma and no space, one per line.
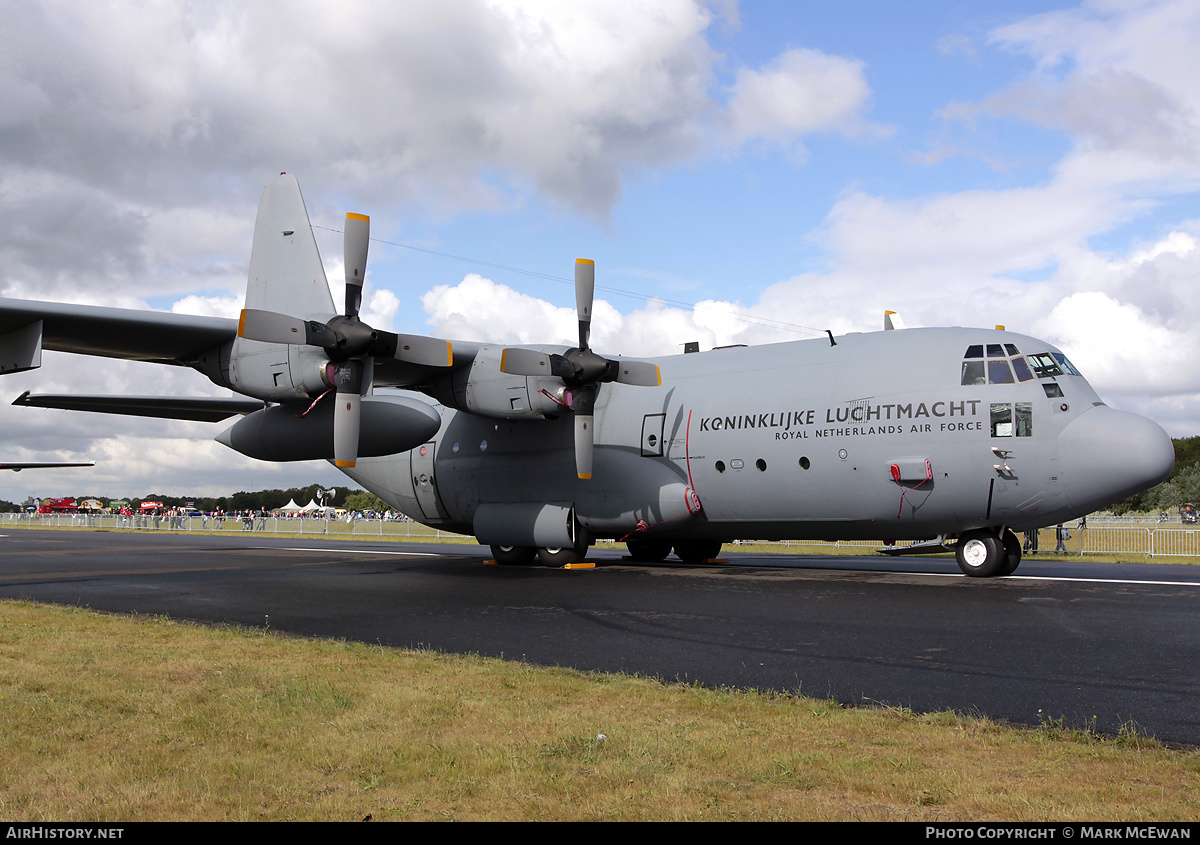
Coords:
987,552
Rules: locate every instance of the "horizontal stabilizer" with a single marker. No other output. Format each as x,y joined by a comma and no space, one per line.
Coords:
17,467
200,408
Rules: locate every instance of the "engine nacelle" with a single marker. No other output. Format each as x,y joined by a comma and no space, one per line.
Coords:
276,372
390,424
486,391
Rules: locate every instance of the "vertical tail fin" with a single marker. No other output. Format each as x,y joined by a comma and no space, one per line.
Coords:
286,275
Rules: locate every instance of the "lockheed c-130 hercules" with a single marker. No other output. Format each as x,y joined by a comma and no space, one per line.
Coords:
961,434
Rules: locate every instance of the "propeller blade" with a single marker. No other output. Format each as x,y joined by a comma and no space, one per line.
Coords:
271,327
638,373
585,289
418,349
529,362
356,240
525,362
584,438
347,413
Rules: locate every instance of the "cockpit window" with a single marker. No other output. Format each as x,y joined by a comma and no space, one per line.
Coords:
999,373
1022,368
1066,365
1044,365
994,369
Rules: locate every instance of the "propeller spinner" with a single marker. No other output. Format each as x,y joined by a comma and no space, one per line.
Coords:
581,369
351,344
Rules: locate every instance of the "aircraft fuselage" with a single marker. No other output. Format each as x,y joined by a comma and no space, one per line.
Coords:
889,435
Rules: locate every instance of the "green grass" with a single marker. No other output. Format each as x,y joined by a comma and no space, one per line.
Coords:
122,719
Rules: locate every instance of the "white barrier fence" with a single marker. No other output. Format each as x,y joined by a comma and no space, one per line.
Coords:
1142,540
393,528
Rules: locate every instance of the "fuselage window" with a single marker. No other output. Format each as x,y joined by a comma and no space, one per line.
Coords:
1022,368
1053,391
999,373
1002,419
972,372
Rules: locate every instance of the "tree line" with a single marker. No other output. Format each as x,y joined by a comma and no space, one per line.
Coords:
1182,487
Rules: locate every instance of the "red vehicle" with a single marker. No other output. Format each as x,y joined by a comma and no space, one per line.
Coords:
58,506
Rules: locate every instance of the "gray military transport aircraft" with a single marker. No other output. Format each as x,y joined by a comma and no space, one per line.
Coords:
960,434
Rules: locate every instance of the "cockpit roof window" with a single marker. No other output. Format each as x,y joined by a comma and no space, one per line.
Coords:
1012,349
975,351
995,350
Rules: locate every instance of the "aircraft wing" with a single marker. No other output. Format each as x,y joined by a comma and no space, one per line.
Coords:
200,408
27,327
155,336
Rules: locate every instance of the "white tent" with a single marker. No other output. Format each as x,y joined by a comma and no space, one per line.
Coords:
290,507
311,506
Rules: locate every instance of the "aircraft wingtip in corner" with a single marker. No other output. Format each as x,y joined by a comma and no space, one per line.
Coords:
962,434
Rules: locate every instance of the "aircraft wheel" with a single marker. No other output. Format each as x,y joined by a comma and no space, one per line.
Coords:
980,554
697,551
648,551
561,557
513,555
1012,553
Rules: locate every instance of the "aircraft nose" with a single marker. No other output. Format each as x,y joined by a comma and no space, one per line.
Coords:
1105,455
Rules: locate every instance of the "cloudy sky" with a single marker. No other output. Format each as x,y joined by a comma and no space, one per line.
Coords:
741,173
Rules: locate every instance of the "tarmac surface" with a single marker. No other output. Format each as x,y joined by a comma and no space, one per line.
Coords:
1095,644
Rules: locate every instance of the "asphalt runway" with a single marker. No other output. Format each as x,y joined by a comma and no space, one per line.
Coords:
1117,643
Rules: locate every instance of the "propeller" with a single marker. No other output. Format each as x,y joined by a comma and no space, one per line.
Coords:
351,344
581,369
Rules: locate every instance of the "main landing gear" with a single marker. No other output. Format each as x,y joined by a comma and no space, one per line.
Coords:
524,555
640,549
986,553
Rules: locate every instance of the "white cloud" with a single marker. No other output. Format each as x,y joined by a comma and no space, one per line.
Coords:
802,91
